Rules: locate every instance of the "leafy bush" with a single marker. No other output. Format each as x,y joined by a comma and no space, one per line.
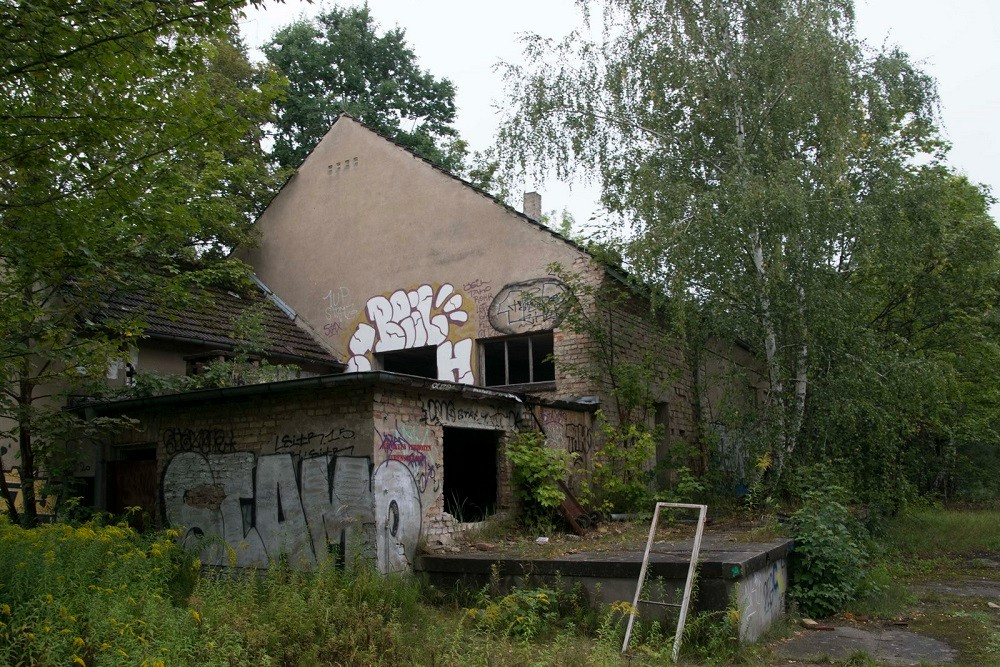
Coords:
106,595
537,471
828,560
523,613
622,475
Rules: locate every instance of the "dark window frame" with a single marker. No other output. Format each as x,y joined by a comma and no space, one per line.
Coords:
505,341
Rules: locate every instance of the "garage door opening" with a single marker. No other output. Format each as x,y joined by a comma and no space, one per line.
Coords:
470,473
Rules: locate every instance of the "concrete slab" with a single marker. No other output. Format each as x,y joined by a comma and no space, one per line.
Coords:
889,647
753,575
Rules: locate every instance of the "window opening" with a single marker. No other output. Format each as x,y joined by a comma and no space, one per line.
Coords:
518,360
470,473
419,361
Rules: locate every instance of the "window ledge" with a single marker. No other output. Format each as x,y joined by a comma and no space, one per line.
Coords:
525,388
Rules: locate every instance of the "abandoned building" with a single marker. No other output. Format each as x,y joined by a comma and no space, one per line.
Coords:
429,326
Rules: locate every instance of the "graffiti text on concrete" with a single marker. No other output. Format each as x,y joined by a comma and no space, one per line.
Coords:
533,305
263,510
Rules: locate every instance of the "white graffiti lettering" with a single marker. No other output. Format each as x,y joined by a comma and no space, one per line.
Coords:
262,511
415,318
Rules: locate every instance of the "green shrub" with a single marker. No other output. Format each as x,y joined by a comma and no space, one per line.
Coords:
828,561
538,469
79,595
621,475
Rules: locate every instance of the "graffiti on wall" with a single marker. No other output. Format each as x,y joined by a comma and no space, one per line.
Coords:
340,307
762,599
314,443
481,293
579,441
571,431
415,318
412,444
202,440
532,305
439,412
264,507
44,505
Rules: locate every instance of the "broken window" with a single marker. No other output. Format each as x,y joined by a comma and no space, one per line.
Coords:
419,361
518,360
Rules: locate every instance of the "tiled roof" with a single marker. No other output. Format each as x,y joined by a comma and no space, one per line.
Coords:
211,322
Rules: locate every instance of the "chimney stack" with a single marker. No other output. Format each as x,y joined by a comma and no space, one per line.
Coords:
533,206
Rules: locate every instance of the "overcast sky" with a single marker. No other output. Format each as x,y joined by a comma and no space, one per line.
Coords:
958,43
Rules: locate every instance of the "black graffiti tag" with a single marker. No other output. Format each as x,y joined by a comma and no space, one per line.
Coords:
203,441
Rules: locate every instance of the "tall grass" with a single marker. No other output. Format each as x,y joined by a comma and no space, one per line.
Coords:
70,595
934,532
104,595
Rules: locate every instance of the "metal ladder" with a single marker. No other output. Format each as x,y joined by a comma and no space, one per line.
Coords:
688,585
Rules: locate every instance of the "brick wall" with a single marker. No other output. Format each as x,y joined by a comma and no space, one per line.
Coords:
637,334
360,470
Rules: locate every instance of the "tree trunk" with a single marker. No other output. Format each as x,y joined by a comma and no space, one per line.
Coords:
8,496
30,514
801,378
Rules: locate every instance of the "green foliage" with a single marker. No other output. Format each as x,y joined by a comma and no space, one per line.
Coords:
130,158
523,613
933,532
807,214
828,562
90,594
106,595
713,638
337,63
621,472
245,366
538,469
686,488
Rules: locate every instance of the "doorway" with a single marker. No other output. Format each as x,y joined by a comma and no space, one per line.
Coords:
470,473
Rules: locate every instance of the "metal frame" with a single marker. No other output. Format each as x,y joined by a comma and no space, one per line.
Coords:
689,584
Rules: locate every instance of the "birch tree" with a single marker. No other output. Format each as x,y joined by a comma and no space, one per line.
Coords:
750,148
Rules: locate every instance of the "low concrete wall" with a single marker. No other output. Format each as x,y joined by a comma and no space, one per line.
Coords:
753,577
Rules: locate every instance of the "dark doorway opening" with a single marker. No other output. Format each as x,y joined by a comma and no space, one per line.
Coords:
419,361
131,483
470,473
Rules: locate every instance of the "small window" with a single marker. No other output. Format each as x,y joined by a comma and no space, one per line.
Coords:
419,361
518,360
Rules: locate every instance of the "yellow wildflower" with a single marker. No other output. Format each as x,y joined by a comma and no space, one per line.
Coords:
77,660
197,616
5,609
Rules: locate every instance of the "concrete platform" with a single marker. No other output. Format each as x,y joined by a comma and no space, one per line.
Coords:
753,575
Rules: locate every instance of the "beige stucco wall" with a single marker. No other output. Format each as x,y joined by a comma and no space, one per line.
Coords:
363,219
